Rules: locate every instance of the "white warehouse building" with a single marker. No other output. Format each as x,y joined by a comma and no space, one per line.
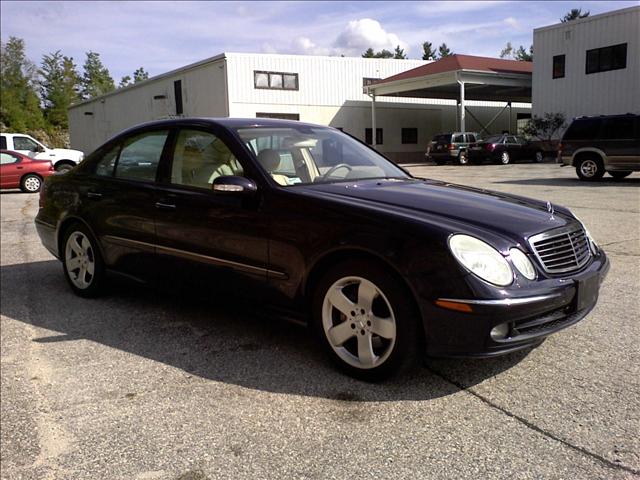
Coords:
589,66
316,89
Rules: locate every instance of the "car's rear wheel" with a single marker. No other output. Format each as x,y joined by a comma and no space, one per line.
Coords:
365,320
82,262
504,158
539,156
589,169
463,159
31,183
619,175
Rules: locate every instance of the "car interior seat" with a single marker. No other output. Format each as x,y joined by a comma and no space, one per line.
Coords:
270,161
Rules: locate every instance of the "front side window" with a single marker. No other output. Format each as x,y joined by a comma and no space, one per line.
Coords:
295,156
105,165
24,143
558,66
140,156
7,158
201,157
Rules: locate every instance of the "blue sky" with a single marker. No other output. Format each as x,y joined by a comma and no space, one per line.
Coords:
161,36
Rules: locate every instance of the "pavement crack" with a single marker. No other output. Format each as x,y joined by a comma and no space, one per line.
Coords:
594,456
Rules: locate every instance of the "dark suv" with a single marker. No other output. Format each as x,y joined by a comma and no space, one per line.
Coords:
595,145
451,147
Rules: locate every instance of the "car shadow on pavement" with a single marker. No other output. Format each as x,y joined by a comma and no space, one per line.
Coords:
575,182
214,339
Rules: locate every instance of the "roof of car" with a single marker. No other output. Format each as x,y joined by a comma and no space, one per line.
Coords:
228,122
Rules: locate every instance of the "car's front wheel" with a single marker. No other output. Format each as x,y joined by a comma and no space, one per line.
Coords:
82,262
365,320
64,166
589,169
539,156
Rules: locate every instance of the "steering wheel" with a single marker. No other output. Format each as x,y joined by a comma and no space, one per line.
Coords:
333,169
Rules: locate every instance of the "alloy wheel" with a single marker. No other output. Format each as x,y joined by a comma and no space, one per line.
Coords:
589,168
80,260
504,158
359,322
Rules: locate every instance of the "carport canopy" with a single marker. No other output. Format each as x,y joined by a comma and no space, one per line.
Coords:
461,78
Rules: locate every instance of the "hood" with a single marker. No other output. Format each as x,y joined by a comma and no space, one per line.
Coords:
511,215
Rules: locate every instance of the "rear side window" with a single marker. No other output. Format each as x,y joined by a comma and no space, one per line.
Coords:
618,128
3,142
7,158
585,129
140,156
471,138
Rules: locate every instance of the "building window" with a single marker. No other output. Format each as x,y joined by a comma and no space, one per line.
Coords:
558,66
606,58
410,135
177,91
366,81
368,136
275,80
282,116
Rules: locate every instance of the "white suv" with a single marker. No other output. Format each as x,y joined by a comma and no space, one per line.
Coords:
63,159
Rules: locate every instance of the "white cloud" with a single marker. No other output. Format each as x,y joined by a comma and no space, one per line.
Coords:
304,46
513,23
361,34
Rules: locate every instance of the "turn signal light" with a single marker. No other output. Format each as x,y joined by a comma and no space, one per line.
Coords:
458,307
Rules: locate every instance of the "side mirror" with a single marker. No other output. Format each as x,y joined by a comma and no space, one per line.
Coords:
39,148
231,184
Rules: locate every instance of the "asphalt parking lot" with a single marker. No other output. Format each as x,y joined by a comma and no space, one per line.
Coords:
145,385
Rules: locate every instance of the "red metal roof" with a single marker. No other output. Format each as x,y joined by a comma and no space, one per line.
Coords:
463,62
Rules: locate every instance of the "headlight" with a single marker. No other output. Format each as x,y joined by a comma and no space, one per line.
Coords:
522,263
481,259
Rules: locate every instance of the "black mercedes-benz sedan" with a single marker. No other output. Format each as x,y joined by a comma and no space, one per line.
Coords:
386,267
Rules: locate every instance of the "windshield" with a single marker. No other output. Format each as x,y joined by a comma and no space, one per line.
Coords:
304,155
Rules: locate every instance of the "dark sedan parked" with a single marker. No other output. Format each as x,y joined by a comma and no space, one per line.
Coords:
389,266
505,149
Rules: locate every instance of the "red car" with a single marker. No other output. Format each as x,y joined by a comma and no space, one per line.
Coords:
20,171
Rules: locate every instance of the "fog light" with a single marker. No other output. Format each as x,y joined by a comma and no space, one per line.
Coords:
500,332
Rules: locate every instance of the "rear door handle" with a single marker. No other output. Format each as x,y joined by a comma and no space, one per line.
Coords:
94,195
165,205
19,168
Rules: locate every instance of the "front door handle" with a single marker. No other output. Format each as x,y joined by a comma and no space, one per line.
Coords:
94,195
165,205
19,168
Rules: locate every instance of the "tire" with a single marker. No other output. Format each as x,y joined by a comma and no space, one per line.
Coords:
589,169
618,175
367,339
463,158
31,183
63,167
538,156
504,158
82,262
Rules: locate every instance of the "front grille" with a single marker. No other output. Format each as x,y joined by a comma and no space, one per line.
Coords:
563,250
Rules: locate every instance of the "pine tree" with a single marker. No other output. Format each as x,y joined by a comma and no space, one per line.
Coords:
19,102
524,56
140,74
444,51
428,53
384,53
125,81
574,14
59,87
96,79
399,53
507,51
368,53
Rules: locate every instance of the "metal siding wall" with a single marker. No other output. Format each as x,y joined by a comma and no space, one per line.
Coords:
616,91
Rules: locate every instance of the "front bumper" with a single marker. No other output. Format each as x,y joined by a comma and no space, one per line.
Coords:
523,321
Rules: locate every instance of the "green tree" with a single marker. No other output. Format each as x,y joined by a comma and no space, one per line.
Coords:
140,74
59,87
96,79
574,14
428,53
369,53
399,53
19,102
545,127
523,56
125,81
444,51
507,51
